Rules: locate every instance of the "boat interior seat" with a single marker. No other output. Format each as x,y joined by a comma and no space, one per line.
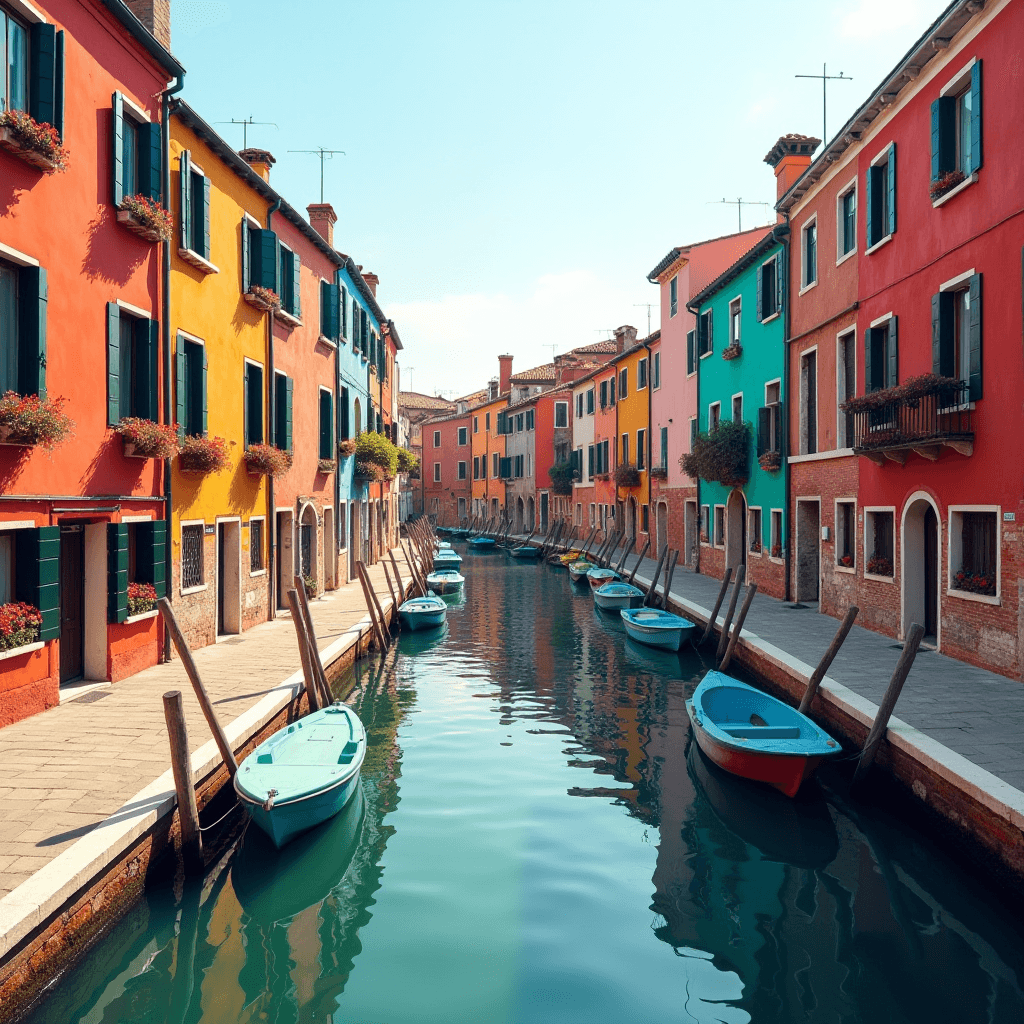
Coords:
742,730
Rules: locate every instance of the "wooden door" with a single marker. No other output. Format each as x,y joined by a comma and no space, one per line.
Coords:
931,573
221,577
72,603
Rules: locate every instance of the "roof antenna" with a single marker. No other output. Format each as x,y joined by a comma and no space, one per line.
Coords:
739,204
324,154
245,127
552,347
825,79
648,305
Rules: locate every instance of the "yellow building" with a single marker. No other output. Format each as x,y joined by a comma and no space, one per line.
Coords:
632,476
220,342
488,447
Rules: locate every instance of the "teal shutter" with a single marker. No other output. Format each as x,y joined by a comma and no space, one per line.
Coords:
117,572
764,428
151,161
288,393
870,221
891,186
691,361
117,141
58,84
936,146
892,355
780,281
246,389
42,72
180,387
151,554
203,388
245,253
869,384
943,136
325,313
32,332
264,258
144,397
38,579
943,311
296,309
344,311
760,287
975,336
206,219
976,123
113,363
185,197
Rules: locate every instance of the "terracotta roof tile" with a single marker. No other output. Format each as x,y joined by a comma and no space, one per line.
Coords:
538,373
416,400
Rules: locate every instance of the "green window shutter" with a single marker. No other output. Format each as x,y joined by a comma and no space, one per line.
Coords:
764,429
943,136
975,336
976,122
691,361
780,281
760,287
205,394
32,331
288,396
151,161
141,390
151,554
335,307
180,388
943,311
245,253
58,84
246,400
117,142
326,413
42,71
325,314
343,321
869,208
117,572
892,354
38,579
185,198
296,285
264,259
891,186
936,113
113,363
206,219
868,379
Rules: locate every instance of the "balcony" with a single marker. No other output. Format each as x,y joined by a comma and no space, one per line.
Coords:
925,415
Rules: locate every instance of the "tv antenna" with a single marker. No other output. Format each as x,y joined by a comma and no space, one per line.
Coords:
324,154
552,347
739,204
408,370
825,78
648,306
245,122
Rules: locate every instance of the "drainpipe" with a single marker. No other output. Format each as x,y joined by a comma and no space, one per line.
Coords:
337,461
780,234
271,410
165,331
696,360
650,427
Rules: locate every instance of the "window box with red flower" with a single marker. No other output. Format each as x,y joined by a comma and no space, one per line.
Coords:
770,462
733,351
265,299
347,447
141,599
325,466
846,562
144,439
19,628
200,455
879,565
37,144
31,421
983,583
145,218
266,460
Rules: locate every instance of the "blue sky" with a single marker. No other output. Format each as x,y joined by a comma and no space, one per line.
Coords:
514,169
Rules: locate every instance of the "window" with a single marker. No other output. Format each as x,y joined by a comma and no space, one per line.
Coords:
343,326
719,526
253,403
14,46
809,251
956,332
714,415
194,211
737,408
529,419
645,519
656,370
23,303
476,424
974,551
462,471
579,405
326,447
476,468
284,388
593,514
290,290
641,374
878,543
604,394
190,387
705,333
601,457
754,537
880,188
611,390
487,421
437,438
132,352
623,382
846,535
693,431
437,472
529,465
735,321
590,402
137,155
691,352
463,439
664,449
520,465
769,289
846,386
769,421
956,127
259,257
705,524
495,466
590,462
776,533
809,402
520,422
641,449
561,414
881,356
625,449
256,563
673,296
846,227
191,556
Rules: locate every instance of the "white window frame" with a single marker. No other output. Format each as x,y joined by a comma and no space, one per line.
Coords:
718,406
565,406
673,305
776,535
705,519
184,591
848,500
462,470
750,551
804,353
806,285
437,472
646,375
641,446
955,543
656,363
843,443
850,186
437,438
878,158
778,305
458,437
732,407
868,543
738,303
496,465
715,543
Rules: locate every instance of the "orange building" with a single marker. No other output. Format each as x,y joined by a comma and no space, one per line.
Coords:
632,472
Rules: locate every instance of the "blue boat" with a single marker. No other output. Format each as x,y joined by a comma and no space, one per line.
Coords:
598,577
755,736
442,545
525,551
423,612
656,628
482,542
445,581
447,559
615,596
578,570
460,533
304,774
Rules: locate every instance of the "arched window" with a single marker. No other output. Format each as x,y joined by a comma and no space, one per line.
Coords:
357,417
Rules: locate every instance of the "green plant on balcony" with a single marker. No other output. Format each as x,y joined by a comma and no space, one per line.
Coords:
722,455
909,392
144,439
33,421
627,475
562,476
770,462
369,471
376,450
407,462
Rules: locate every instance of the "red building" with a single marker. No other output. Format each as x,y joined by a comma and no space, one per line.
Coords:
936,424
81,326
446,468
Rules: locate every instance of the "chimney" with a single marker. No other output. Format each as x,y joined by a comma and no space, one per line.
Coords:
625,338
492,389
790,157
260,160
372,280
504,374
323,218
156,16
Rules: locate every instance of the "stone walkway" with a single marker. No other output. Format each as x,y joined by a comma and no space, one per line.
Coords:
64,771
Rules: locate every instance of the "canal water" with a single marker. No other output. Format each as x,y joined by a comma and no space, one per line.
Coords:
538,841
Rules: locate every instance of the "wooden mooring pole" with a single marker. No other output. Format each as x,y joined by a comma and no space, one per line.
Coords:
378,629
723,640
639,559
670,571
833,649
398,575
885,709
319,675
718,604
308,673
734,639
651,597
620,565
184,786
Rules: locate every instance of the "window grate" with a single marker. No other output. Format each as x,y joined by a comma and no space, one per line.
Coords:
255,545
191,556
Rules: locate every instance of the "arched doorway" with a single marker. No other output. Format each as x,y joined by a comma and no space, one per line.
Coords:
530,519
309,557
662,523
520,511
631,517
735,530
330,551
920,561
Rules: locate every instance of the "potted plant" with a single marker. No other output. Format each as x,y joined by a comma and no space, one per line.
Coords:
562,476
309,582
407,462
141,598
36,143
776,551
846,561
721,455
373,449
146,218
262,298
19,625
144,439
945,183
368,471
975,583
266,460
33,421
627,475
325,466
200,455
733,351
347,447
659,473
770,462
755,547
879,565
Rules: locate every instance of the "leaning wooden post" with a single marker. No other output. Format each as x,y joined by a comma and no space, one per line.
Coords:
378,632
184,786
308,672
651,596
319,675
670,571
738,628
639,559
620,565
724,638
376,601
718,604
391,590
885,709
833,649
414,569
398,575
189,663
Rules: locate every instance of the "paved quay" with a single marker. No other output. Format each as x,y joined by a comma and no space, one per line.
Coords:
88,762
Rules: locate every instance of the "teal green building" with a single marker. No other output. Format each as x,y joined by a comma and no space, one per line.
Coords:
738,350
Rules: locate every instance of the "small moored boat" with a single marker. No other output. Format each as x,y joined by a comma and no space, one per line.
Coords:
569,557
524,551
578,571
445,581
443,545
615,596
482,542
598,577
422,612
447,559
755,736
303,774
656,628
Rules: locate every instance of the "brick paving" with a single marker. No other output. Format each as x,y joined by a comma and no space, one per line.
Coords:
64,771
